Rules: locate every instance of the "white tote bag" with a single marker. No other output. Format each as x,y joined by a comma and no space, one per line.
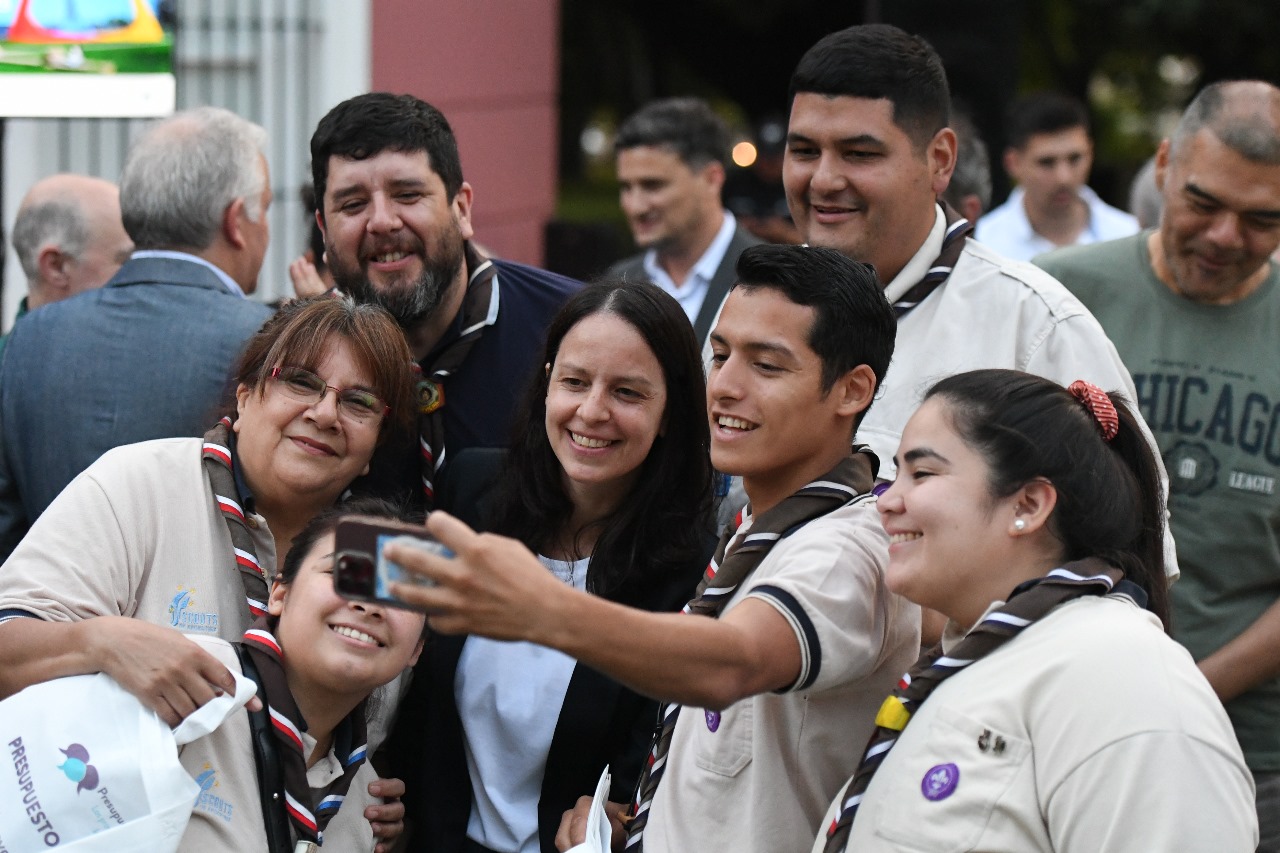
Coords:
87,767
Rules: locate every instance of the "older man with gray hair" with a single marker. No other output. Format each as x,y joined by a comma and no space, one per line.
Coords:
149,354
1194,308
68,237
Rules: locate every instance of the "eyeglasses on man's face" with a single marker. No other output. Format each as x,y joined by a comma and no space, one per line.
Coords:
355,404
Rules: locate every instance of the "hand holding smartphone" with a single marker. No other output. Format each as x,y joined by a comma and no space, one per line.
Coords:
362,572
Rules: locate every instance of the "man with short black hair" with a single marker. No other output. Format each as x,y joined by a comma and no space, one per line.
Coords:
149,355
671,159
869,151
396,217
1195,307
1049,157
776,668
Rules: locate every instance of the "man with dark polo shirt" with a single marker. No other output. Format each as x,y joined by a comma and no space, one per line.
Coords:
396,217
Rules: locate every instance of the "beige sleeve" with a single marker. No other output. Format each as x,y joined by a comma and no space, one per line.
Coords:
87,554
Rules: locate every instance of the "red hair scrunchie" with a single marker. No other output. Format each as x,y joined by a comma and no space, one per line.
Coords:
1099,406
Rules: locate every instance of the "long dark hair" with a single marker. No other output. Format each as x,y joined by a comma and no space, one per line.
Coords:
661,526
1109,501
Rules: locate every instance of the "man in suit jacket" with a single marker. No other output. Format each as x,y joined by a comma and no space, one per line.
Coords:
68,238
671,166
148,355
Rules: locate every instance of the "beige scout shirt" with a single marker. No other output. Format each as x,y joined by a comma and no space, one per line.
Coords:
992,312
758,776
136,534
1101,736
228,812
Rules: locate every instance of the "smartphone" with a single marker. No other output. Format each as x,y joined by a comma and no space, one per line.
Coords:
361,571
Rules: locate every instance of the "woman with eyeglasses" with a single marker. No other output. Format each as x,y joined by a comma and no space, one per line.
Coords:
182,535
1056,715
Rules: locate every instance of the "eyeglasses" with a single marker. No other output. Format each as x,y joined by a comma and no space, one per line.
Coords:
302,385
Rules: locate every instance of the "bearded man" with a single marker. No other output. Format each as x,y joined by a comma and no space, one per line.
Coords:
396,218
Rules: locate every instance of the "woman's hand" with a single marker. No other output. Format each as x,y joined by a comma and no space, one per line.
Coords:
387,817
494,586
573,825
170,674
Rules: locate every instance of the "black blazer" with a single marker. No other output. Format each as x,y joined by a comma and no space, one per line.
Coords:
601,722
632,269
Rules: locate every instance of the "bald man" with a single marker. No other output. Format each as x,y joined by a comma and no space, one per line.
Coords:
1193,306
69,237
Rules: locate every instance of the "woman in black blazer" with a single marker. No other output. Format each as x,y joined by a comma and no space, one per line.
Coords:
608,479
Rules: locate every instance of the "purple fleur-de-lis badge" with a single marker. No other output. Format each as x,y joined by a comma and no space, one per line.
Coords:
940,781
713,720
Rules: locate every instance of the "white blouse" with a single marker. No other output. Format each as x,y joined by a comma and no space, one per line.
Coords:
509,697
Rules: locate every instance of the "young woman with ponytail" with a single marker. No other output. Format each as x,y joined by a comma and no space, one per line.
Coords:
1056,715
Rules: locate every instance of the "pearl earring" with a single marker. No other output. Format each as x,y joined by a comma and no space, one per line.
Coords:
1019,524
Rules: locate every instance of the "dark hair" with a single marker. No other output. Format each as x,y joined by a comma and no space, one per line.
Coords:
687,126
1043,112
327,520
1243,114
299,333
880,61
369,124
854,323
662,524
315,237
1109,499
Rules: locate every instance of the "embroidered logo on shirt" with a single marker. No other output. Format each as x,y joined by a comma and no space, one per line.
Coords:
184,618
209,802
713,720
940,781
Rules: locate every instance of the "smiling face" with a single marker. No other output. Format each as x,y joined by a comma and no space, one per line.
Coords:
335,646
771,422
295,454
1221,220
949,537
606,401
392,235
1051,168
667,204
856,183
